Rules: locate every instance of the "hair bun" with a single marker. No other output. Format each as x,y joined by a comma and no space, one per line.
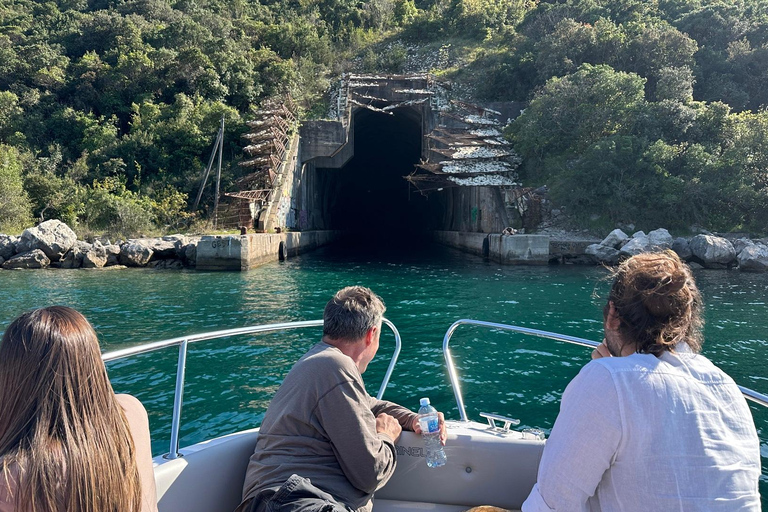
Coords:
672,283
658,302
664,299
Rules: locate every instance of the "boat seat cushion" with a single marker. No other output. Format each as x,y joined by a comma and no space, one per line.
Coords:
482,469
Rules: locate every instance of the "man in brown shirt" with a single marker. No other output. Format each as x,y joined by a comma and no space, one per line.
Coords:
325,444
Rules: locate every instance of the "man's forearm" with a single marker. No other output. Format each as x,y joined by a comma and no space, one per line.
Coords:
403,416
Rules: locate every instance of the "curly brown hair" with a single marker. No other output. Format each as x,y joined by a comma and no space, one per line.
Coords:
657,302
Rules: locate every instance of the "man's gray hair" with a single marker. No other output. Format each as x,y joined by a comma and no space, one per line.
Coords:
351,313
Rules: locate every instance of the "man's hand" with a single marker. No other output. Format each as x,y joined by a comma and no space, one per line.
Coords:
441,422
601,351
387,425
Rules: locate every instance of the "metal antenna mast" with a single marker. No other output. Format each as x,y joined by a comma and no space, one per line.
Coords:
218,148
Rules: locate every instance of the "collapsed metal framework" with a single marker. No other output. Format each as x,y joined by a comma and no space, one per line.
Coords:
365,91
268,139
467,150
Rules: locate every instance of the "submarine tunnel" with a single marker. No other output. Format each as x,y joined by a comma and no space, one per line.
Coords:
369,194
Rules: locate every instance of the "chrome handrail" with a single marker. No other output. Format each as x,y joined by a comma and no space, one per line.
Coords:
184,341
756,397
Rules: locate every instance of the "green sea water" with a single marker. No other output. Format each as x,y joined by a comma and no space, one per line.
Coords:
230,381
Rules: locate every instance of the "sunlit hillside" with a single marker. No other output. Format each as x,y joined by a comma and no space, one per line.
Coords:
649,112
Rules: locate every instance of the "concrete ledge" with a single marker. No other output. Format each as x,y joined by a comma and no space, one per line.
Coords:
244,252
474,243
506,249
519,249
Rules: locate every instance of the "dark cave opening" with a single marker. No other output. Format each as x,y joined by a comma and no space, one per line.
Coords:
369,194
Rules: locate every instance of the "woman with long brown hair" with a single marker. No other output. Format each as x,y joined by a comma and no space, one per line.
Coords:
67,442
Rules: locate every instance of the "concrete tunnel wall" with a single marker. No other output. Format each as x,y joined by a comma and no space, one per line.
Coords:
358,186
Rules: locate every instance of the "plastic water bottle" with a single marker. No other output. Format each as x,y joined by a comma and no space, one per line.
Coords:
430,432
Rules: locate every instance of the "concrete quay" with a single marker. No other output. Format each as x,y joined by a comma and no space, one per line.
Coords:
505,249
244,252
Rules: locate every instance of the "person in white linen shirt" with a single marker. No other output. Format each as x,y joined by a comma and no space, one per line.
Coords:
649,424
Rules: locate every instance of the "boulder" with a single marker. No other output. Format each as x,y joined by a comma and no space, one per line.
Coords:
753,258
179,242
603,253
615,239
190,254
113,254
712,251
161,248
164,248
636,245
170,264
699,230
659,240
74,257
7,246
134,254
2,260
35,258
682,248
626,227
740,243
578,259
53,237
96,257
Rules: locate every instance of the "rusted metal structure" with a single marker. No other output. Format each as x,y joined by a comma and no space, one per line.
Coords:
272,127
466,150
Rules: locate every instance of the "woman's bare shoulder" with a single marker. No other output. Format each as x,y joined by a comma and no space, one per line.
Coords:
134,409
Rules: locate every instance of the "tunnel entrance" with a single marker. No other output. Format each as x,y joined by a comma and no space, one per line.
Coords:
369,192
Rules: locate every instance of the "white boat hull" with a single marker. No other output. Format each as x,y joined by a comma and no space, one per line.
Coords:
484,468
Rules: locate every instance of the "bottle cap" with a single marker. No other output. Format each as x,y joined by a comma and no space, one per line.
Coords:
424,401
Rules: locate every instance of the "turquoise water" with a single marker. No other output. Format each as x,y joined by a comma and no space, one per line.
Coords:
230,382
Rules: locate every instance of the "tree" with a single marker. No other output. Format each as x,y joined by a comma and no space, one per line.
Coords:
15,213
675,84
571,113
10,112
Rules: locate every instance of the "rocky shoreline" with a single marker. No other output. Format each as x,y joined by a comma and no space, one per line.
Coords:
53,244
704,250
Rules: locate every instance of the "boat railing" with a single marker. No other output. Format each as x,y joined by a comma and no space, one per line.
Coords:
748,393
184,341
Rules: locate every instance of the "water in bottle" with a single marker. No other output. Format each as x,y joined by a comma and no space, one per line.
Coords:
430,432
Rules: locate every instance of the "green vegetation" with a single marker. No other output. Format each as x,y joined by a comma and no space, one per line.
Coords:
644,112
650,112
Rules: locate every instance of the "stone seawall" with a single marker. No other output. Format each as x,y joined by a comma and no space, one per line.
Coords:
505,249
244,252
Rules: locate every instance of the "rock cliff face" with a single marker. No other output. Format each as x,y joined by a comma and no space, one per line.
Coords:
53,244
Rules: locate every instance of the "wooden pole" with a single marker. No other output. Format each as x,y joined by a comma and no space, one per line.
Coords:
218,175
